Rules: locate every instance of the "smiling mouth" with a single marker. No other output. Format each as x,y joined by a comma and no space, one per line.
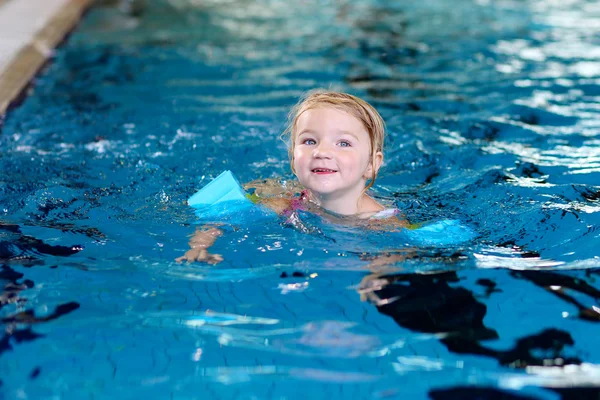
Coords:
323,171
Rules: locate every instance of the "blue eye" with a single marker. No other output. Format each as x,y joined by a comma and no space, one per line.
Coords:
309,142
344,143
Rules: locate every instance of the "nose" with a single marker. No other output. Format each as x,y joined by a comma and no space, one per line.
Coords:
322,150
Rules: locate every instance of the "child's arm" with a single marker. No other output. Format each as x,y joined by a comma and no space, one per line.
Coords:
278,204
273,188
274,195
381,266
199,243
204,238
395,223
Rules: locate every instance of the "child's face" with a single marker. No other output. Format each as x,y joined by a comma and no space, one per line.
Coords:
332,153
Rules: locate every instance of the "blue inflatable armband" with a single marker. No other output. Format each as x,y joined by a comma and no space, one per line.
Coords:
446,232
223,188
221,197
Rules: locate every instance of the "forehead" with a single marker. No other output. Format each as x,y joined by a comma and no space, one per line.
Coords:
329,119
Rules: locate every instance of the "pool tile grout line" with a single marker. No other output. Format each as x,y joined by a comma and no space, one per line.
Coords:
23,52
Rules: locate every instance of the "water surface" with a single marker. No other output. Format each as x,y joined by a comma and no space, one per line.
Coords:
492,115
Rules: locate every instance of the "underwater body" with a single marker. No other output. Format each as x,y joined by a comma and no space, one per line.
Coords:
492,120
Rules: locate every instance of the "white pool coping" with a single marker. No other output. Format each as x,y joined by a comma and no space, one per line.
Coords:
29,32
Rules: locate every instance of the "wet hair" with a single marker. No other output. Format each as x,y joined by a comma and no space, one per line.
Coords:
358,108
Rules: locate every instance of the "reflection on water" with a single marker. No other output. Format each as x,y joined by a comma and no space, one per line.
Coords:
492,114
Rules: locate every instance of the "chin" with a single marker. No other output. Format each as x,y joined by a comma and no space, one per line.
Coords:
322,192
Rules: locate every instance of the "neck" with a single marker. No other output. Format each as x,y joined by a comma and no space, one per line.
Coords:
344,205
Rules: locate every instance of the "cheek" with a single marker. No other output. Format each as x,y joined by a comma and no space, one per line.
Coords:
299,154
298,159
355,160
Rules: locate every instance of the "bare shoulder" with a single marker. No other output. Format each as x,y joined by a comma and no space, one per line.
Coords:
273,187
369,205
393,223
274,193
277,204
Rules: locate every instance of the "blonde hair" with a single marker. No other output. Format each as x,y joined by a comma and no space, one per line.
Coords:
348,103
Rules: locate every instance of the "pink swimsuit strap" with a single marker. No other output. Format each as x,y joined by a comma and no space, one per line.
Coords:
297,203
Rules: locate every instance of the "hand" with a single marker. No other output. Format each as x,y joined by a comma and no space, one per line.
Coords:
369,285
380,266
201,255
199,244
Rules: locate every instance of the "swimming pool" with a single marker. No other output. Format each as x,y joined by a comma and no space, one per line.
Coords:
492,113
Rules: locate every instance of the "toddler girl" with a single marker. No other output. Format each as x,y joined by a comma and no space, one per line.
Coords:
336,150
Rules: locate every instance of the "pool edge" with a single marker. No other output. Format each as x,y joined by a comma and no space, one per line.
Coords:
33,54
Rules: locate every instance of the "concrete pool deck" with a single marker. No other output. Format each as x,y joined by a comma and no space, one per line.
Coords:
29,32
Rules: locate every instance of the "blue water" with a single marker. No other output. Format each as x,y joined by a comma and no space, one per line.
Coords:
493,119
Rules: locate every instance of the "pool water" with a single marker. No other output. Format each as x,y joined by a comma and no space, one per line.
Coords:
493,120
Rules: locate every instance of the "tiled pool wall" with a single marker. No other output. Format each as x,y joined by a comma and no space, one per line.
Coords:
29,32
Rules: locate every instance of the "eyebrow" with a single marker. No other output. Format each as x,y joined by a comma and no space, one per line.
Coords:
349,134
309,131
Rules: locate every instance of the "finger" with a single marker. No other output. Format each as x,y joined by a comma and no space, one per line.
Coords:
215,259
183,258
201,255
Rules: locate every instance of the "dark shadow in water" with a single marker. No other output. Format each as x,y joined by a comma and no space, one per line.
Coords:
11,291
22,247
479,393
21,250
579,393
10,295
556,284
17,336
28,316
427,303
35,373
475,393
588,194
489,285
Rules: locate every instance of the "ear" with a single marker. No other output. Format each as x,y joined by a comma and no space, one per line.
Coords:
377,161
